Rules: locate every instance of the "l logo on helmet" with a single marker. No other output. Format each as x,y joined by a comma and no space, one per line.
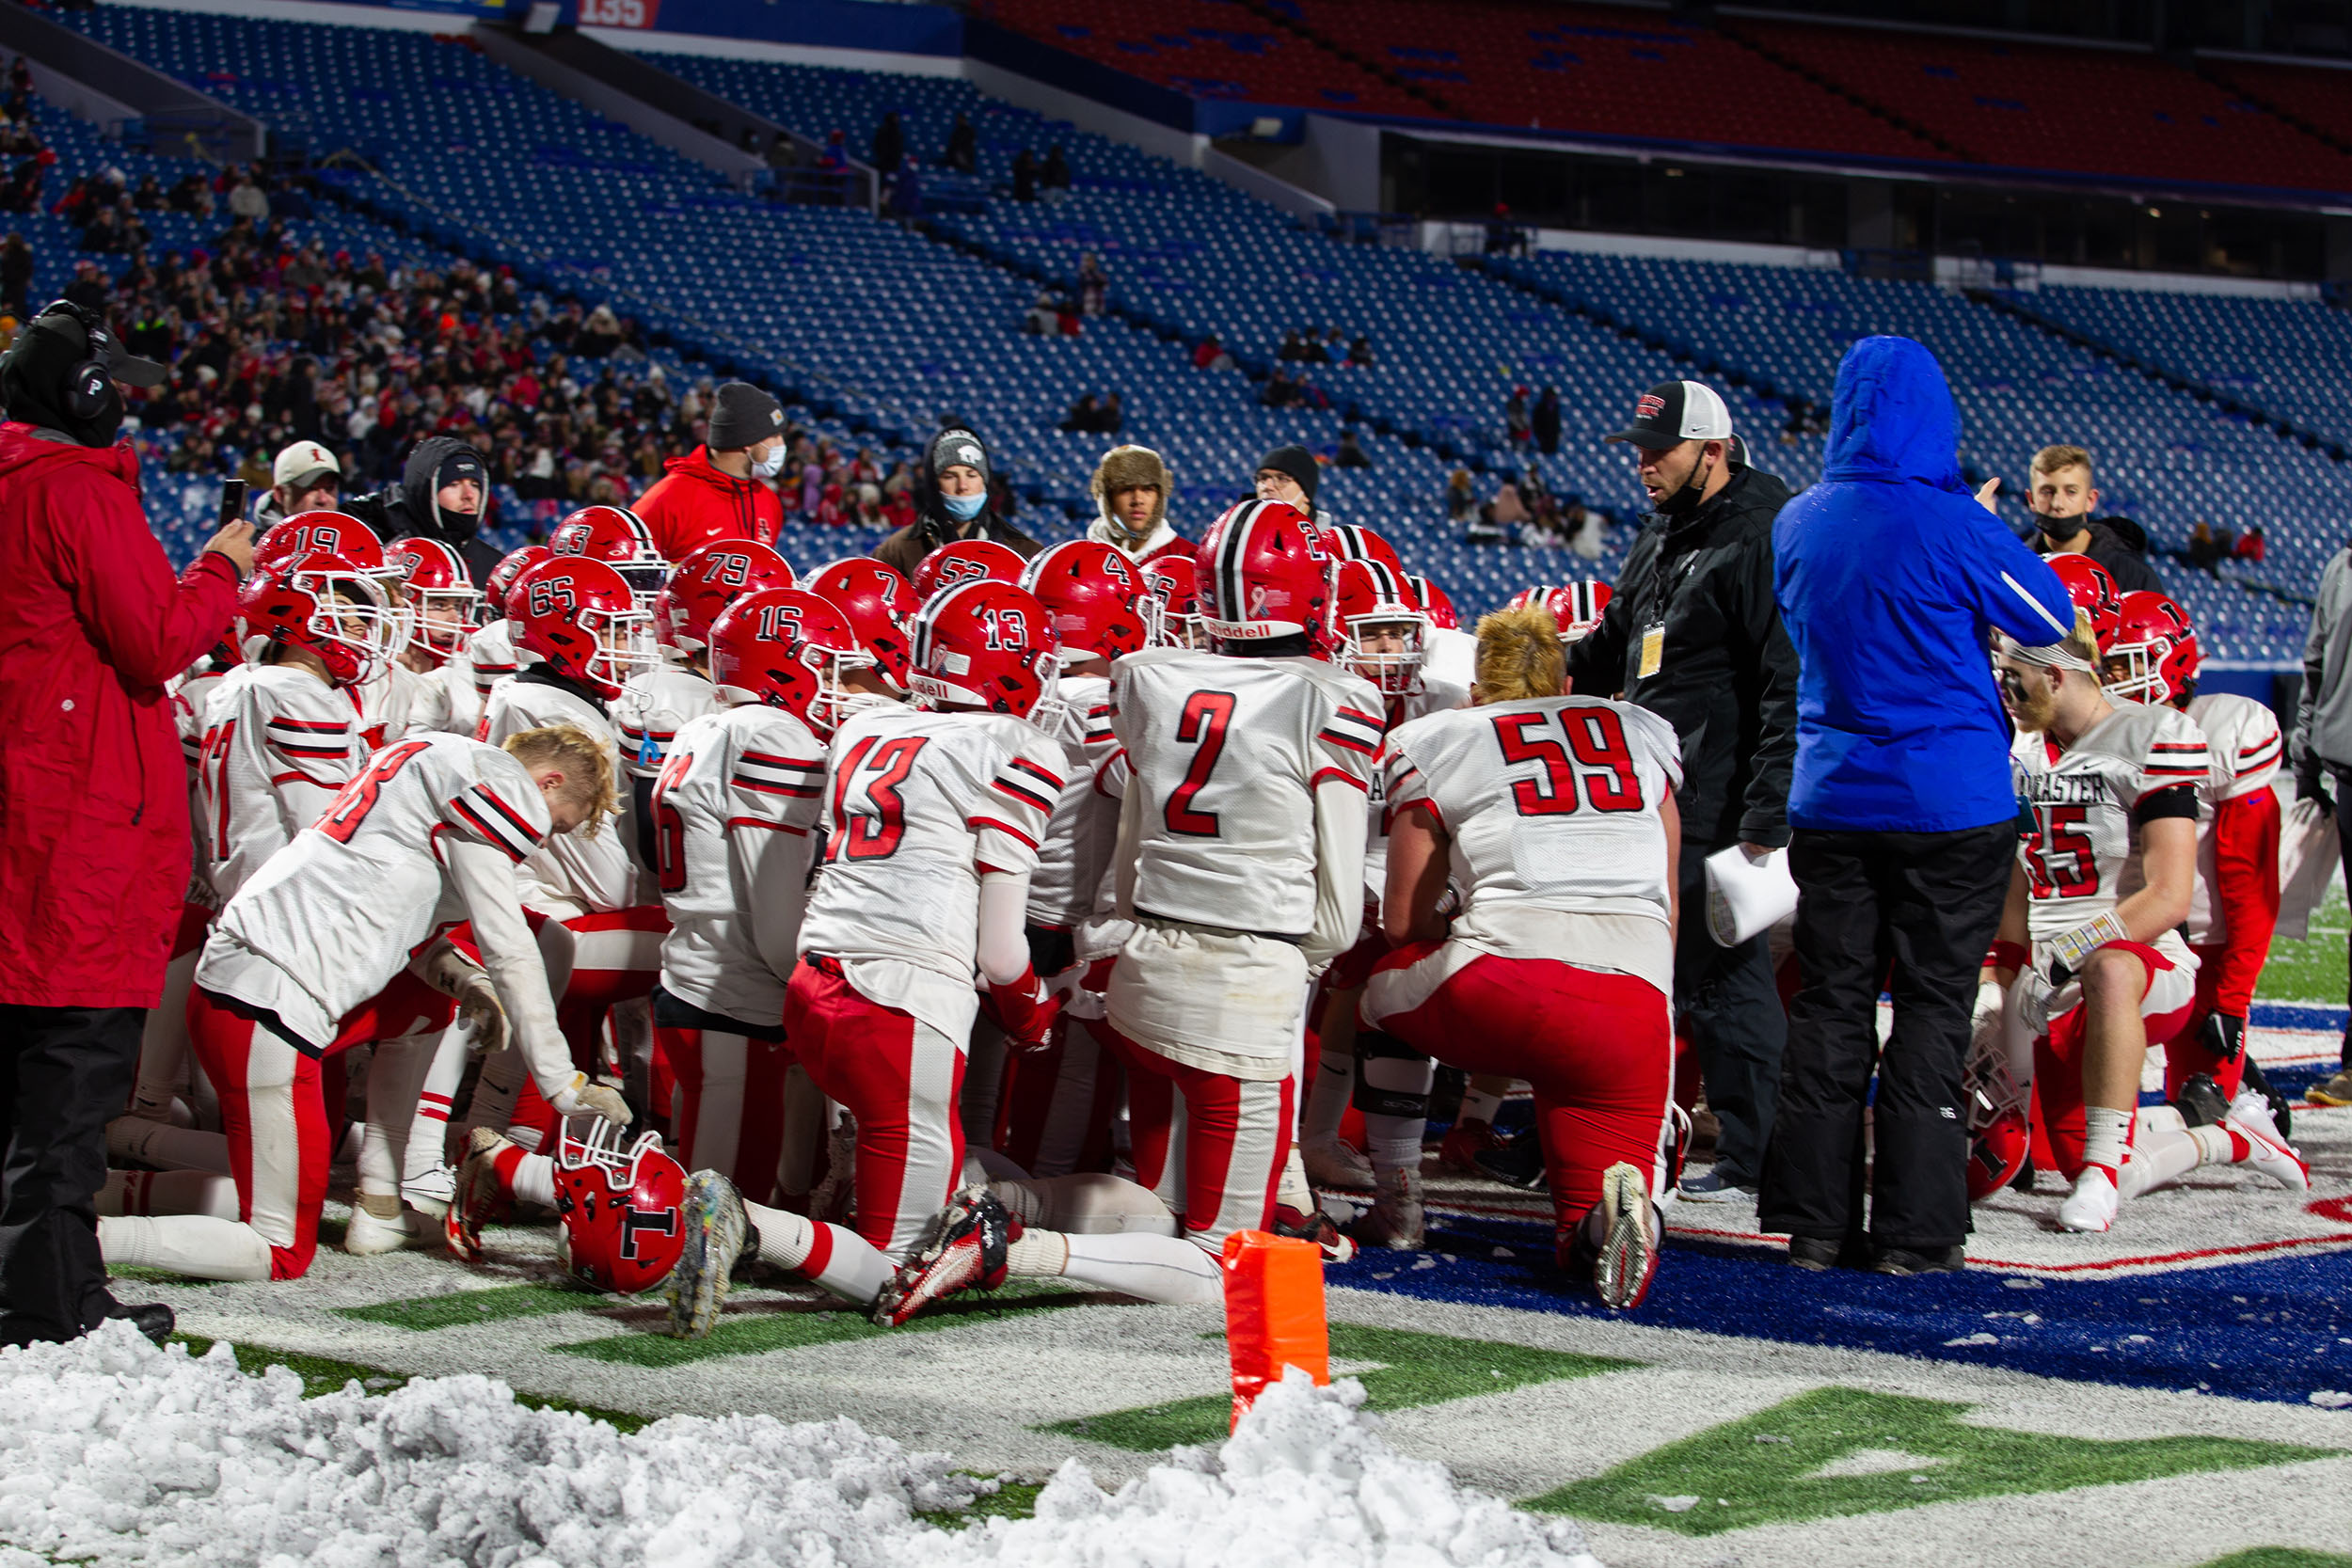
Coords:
1648,406
661,1222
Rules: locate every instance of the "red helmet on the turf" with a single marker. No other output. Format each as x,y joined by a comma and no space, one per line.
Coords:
1171,606
1366,594
1094,595
2092,588
333,533
966,560
441,595
623,1209
788,647
581,617
1999,1137
327,605
1265,574
711,578
2150,655
1433,603
984,645
514,564
881,608
1355,541
620,539
1996,1152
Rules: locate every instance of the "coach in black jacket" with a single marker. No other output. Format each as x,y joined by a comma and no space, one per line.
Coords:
1693,635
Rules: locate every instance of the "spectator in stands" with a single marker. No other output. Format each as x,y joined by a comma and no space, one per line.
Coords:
962,151
1094,284
2064,503
1084,417
443,492
1113,418
1310,349
906,190
2205,549
1209,355
835,159
89,289
1290,475
16,273
247,200
1132,487
1351,454
1583,528
1693,635
600,335
890,143
1292,349
1544,420
1025,176
1905,815
951,502
1359,352
1054,177
2249,544
1515,421
1461,496
1045,317
723,488
1504,236
1505,510
305,477
1280,390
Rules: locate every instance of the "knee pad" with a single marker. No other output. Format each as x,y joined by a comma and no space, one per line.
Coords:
1392,1078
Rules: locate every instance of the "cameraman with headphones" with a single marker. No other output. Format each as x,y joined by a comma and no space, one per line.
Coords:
93,798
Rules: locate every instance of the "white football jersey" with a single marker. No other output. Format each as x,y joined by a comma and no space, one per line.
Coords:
571,874
652,708
400,703
490,658
1226,754
2084,855
733,813
379,837
918,805
278,743
463,700
1436,696
1078,841
2246,746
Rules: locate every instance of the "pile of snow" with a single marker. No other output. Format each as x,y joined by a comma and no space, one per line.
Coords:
113,1451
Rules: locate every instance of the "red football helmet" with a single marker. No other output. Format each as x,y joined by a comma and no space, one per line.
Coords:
2150,655
1171,609
984,645
1433,603
581,617
441,595
1575,607
711,578
966,560
1999,1135
1996,1152
514,564
2092,588
620,539
1266,571
1367,595
623,1209
1355,541
1095,595
328,606
322,534
880,609
788,647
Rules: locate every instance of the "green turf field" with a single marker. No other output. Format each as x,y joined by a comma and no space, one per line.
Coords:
2312,970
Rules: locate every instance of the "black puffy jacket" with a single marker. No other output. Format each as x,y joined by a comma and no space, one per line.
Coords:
398,510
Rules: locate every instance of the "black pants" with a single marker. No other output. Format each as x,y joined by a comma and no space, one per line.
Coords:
1927,904
1727,1006
64,1073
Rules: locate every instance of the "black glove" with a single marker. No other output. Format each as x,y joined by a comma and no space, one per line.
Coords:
2311,783
2224,1035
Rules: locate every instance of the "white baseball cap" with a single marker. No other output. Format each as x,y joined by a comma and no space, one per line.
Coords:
1673,412
301,463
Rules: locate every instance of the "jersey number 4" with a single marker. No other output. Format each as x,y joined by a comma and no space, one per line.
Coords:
873,832
1596,763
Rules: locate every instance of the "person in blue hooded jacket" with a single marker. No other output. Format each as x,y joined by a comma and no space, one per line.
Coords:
1890,579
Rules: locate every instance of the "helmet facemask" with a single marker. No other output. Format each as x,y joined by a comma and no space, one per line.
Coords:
351,611
1395,673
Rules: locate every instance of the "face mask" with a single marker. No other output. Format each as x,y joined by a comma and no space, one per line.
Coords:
772,464
1685,500
965,508
2058,528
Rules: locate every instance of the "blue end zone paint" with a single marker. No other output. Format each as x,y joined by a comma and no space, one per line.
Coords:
2297,1015
2264,1330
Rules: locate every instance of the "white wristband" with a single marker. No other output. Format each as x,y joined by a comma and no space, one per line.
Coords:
2071,948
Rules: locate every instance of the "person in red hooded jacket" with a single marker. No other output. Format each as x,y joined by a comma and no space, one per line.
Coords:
720,490
93,799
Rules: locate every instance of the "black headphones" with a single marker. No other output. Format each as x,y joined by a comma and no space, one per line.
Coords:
89,385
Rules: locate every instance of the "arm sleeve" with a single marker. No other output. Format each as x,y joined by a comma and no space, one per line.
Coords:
484,876
2246,872
1340,811
1003,945
2011,587
1128,851
148,626
1764,816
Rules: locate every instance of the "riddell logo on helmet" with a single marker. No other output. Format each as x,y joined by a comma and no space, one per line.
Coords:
1648,406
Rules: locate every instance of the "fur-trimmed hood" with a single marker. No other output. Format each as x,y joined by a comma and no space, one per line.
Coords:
1129,468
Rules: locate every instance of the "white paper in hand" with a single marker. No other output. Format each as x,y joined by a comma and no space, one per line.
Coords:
1745,896
2308,852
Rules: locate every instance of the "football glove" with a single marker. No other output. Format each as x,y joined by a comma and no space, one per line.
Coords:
478,1008
2030,995
583,1097
2224,1035
1024,1009
2311,783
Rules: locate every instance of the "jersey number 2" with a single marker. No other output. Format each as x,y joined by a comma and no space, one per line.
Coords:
1602,766
1205,716
884,769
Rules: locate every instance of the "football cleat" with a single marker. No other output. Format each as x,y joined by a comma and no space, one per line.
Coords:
1316,1227
379,1224
2200,1101
2091,1206
1464,1142
429,1193
2249,1116
1627,1261
1332,1164
2331,1091
482,1194
1396,1219
966,1252
716,1229
2282,1108
1515,1162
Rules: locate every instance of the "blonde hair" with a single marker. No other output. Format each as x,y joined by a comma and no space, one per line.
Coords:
586,760
2082,642
1521,656
2049,460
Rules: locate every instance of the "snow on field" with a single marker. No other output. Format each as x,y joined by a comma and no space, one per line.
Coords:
114,1452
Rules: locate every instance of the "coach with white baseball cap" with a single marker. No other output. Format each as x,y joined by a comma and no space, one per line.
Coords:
1693,635
305,478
